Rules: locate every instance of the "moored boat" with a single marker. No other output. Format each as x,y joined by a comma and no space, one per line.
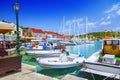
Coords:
44,53
105,62
60,62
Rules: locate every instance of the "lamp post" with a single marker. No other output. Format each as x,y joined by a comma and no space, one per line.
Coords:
16,8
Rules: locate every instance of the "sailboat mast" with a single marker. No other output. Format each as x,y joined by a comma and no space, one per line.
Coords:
63,24
69,28
74,25
86,26
78,25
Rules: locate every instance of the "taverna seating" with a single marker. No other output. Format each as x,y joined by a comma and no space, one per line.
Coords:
9,63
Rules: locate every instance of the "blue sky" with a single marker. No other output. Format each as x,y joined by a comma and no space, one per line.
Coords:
51,14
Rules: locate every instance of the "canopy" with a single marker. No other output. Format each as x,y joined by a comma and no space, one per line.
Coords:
6,27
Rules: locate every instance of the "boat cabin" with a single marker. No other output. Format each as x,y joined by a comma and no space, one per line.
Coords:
110,52
111,47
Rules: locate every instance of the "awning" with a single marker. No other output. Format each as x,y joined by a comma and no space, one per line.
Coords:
6,27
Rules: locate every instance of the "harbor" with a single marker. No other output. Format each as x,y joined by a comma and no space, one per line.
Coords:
59,40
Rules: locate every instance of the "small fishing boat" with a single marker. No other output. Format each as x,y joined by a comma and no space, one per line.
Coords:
60,62
105,62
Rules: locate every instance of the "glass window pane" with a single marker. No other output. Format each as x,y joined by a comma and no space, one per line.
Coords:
115,42
108,42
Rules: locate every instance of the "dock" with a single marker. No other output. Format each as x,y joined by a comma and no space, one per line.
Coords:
71,77
27,73
108,75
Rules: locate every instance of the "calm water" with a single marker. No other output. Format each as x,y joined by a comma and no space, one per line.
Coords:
85,50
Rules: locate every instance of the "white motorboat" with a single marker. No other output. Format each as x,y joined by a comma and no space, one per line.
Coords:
68,43
44,53
60,62
44,50
105,62
89,42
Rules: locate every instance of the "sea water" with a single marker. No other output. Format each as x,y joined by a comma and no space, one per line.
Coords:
85,50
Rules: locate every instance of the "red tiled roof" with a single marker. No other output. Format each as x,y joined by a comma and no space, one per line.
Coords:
108,37
59,36
36,30
48,32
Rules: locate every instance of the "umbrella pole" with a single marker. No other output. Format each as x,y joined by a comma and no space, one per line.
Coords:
4,41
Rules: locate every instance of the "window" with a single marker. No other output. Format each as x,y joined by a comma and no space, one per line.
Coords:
108,42
115,42
40,35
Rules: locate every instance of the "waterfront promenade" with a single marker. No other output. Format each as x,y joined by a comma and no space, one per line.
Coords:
28,72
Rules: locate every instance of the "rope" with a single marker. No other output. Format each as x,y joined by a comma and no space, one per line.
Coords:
93,76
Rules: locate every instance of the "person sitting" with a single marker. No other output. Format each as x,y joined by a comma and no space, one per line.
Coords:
63,49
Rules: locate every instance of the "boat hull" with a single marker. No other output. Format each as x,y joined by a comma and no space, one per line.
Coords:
44,53
49,63
103,67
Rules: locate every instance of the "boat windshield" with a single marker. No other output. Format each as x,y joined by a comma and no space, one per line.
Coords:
111,42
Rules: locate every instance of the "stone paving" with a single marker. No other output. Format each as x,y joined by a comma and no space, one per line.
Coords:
71,77
27,73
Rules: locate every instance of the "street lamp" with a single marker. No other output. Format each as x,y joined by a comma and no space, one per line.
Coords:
16,8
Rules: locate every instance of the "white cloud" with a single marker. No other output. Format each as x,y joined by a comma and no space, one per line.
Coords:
118,12
105,23
114,7
91,23
106,18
